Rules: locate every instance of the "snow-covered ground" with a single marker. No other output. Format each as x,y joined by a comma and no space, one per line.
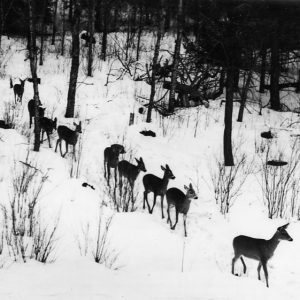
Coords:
153,262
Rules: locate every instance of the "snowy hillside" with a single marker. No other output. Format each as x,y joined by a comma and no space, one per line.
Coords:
149,261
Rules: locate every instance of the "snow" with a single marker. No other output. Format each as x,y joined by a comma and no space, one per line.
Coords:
153,261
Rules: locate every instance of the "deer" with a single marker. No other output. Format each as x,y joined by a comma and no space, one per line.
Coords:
18,89
47,125
158,186
181,201
69,136
31,110
258,249
111,159
130,171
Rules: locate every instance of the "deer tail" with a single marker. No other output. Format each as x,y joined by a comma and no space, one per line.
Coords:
11,83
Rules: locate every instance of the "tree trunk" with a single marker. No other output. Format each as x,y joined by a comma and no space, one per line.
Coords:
275,72
71,10
245,90
54,22
43,30
91,35
33,68
104,35
227,142
176,58
140,29
263,70
63,32
75,60
154,62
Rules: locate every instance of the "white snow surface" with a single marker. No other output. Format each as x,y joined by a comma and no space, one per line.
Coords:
154,261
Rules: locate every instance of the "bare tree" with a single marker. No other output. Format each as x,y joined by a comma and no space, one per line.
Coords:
75,60
54,21
33,68
91,24
176,57
43,19
160,32
63,29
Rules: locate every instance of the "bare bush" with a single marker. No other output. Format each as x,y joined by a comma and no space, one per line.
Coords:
95,241
279,184
44,242
25,236
228,181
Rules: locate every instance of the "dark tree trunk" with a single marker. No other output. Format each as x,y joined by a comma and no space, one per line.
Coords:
70,10
222,81
91,34
244,93
227,142
140,30
63,33
176,58
128,33
54,22
154,62
275,72
43,30
33,67
104,35
263,70
99,16
75,60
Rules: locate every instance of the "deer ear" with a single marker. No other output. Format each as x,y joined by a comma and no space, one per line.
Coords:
74,124
185,187
191,186
283,227
167,167
163,168
137,160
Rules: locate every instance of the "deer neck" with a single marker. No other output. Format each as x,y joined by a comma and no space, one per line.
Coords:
165,181
273,242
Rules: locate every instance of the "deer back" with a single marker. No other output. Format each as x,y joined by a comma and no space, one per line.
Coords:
47,124
67,134
259,248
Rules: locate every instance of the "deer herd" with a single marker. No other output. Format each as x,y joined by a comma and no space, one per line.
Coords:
258,249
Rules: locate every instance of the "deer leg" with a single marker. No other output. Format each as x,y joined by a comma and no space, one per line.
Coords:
146,200
264,265
233,262
169,219
120,183
162,206
173,227
115,175
108,174
258,270
42,136
184,224
154,202
244,265
74,152
67,149
48,136
58,140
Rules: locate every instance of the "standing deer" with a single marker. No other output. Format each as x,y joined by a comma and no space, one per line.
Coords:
130,171
258,249
181,201
31,110
158,186
47,125
69,136
111,159
18,89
